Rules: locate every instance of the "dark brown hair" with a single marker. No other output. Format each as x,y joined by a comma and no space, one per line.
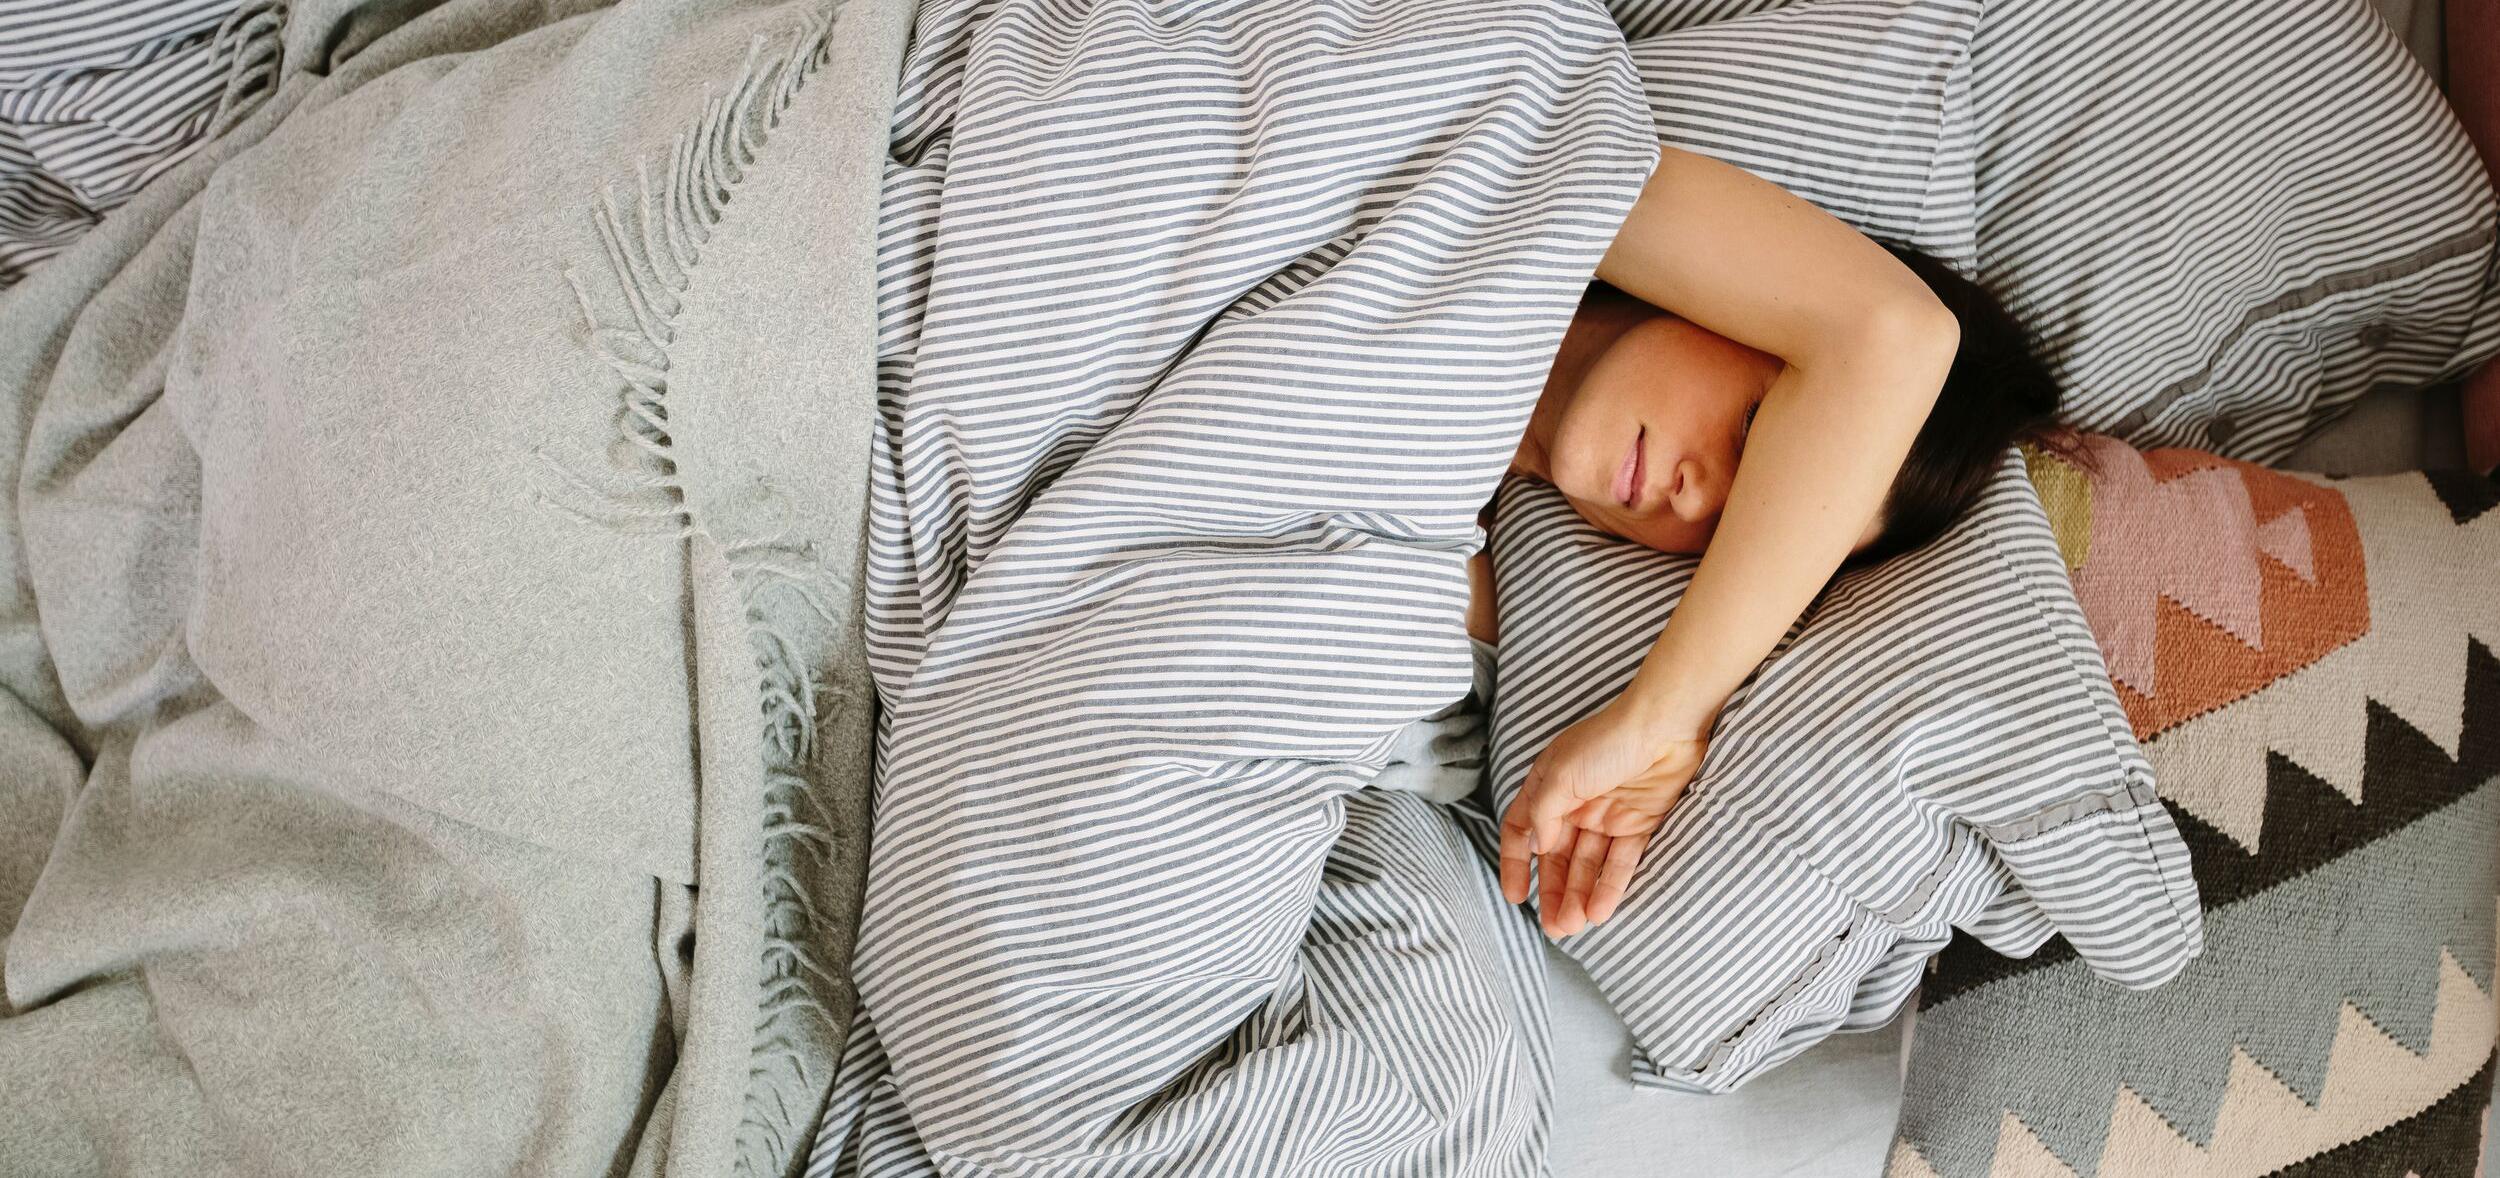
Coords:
1999,392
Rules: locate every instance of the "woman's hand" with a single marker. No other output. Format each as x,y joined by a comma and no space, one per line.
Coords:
1587,809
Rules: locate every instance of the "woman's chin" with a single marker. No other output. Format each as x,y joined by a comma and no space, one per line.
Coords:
1665,535
1676,547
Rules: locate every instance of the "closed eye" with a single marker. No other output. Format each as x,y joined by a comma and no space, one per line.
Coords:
1747,430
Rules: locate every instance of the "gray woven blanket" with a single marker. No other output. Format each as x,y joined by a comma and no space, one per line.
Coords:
429,709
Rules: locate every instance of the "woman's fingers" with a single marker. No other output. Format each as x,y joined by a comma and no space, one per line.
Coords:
1588,855
1550,805
1553,872
1559,835
1594,814
1557,910
1623,857
1548,847
1518,850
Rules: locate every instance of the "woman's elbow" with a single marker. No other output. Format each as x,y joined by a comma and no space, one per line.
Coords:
1915,317
1911,328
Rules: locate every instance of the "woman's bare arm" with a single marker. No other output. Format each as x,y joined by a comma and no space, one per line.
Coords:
1866,348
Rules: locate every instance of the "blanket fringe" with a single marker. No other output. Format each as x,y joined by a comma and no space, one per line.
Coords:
652,231
256,32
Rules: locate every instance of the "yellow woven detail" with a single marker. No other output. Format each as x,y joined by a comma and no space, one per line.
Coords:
2066,493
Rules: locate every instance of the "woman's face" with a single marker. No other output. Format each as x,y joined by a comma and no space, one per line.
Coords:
1645,443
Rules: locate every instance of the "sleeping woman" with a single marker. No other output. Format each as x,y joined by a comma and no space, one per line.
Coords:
1870,392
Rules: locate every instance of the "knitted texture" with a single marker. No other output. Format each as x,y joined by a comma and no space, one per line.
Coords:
2310,665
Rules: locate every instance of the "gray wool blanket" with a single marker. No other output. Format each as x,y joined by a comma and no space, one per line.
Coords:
433,737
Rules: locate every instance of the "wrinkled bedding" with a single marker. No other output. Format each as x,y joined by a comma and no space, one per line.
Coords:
99,97
1203,335
1191,392
439,643
432,723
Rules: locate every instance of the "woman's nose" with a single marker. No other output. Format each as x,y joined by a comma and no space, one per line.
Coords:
1695,495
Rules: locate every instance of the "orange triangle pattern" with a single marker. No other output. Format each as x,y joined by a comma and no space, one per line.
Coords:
2206,579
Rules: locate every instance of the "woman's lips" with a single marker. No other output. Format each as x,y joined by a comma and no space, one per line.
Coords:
1627,486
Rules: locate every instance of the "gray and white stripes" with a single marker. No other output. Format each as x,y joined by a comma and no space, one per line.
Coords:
1861,106
98,97
1204,331
1207,328
2228,221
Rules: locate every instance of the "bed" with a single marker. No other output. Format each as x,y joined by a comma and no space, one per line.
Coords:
561,329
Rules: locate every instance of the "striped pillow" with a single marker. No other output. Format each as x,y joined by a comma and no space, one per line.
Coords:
1935,746
1648,18
2227,221
1861,106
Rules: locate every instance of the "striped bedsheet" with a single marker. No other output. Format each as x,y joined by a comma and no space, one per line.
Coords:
1205,332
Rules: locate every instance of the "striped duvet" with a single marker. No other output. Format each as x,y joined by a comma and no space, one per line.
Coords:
1206,331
